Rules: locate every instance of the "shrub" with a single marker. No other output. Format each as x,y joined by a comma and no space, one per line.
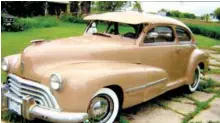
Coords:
68,18
212,32
37,22
71,19
80,19
17,26
21,24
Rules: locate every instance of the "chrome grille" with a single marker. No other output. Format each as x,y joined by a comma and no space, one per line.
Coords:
40,93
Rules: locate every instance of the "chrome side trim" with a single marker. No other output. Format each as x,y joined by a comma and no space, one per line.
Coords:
144,86
160,44
169,44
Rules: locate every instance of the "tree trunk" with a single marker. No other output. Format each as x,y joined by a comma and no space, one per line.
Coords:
85,7
74,8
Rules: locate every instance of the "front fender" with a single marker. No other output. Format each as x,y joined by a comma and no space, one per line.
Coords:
197,57
81,81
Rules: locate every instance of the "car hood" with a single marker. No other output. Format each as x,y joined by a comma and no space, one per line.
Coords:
40,57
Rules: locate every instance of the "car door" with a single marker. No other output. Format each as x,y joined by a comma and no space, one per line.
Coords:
182,51
158,51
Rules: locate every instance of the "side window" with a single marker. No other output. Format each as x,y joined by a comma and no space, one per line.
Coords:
182,34
159,34
123,29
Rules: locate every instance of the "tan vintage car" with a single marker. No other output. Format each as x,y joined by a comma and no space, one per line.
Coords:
123,59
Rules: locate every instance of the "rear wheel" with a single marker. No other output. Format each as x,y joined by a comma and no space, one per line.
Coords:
104,106
197,74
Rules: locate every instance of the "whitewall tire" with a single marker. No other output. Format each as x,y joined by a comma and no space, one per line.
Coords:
197,74
104,106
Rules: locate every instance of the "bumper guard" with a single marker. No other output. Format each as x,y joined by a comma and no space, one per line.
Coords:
30,110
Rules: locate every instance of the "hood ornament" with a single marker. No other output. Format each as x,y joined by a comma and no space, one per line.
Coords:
36,41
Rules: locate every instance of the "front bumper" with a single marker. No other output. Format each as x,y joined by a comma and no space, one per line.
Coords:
31,110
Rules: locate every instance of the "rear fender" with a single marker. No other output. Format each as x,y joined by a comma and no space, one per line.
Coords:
197,57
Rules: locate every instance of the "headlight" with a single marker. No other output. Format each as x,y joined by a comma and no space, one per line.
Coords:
5,64
55,81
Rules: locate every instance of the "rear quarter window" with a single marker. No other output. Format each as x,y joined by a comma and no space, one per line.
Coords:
182,34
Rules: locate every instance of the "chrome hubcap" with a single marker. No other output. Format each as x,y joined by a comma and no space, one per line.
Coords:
100,109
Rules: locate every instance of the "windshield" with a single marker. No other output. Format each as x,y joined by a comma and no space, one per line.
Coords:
107,29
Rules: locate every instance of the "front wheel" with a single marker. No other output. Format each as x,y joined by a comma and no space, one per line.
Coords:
104,106
192,87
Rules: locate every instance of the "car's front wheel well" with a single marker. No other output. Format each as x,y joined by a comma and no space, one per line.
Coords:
119,91
201,65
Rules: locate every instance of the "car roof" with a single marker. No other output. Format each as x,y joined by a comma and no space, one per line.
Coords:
132,17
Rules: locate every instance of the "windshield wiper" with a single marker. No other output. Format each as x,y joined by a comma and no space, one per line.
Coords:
101,34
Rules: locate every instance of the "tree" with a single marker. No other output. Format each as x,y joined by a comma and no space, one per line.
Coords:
104,6
207,18
187,15
163,10
85,7
217,13
23,8
202,17
192,16
174,13
82,7
137,6
212,15
74,8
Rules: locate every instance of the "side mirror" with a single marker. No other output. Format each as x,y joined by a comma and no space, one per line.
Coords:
152,35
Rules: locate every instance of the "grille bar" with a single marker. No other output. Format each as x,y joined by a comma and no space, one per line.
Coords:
19,94
22,87
30,91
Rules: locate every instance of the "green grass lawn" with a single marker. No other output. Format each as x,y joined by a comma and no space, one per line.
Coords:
15,42
201,27
206,42
215,26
